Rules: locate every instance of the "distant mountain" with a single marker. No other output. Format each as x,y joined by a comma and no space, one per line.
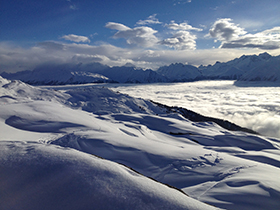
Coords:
59,74
268,70
128,74
84,73
179,72
234,69
262,67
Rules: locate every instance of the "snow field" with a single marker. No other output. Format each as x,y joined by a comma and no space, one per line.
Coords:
53,135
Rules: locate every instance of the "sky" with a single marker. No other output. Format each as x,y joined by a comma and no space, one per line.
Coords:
146,33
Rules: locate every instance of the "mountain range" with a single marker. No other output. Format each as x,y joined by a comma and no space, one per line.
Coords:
262,67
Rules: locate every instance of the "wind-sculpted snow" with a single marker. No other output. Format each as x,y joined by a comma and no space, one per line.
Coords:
102,100
37,176
49,140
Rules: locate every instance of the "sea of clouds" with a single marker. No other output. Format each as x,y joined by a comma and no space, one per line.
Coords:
254,107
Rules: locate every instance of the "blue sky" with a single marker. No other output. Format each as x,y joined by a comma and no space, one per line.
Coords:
147,33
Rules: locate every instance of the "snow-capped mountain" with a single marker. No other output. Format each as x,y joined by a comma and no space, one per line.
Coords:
51,139
58,74
179,72
128,74
265,71
263,67
85,73
247,67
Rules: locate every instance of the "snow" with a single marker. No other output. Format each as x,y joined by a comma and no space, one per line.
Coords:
254,105
51,177
180,72
55,140
262,67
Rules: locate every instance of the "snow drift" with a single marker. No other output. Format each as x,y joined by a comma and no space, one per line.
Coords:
38,176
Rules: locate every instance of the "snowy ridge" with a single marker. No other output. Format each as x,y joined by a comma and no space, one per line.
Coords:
227,169
249,68
88,73
179,72
263,67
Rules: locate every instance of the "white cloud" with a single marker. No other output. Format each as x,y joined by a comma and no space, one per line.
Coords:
73,7
141,36
181,26
150,20
233,36
181,40
117,26
76,38
225,30
178,2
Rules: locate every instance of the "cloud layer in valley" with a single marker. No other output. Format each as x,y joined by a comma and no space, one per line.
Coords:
256,108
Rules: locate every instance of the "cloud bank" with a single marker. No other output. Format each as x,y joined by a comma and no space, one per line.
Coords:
256,108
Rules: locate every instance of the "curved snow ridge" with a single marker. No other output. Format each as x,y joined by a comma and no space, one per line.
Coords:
39,125
101,100
19,91
96,100
58,178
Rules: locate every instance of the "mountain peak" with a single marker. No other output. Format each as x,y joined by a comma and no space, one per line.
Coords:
265,56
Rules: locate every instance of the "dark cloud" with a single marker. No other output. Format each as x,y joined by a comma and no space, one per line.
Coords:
260,46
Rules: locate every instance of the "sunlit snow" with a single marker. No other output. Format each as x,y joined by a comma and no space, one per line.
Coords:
52,142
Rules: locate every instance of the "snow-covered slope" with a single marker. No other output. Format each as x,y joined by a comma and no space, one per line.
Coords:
38,176
228,169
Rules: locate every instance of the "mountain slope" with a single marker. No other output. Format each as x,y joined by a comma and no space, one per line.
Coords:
228,169
267,71
89,73
180,73
250,67
51,177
